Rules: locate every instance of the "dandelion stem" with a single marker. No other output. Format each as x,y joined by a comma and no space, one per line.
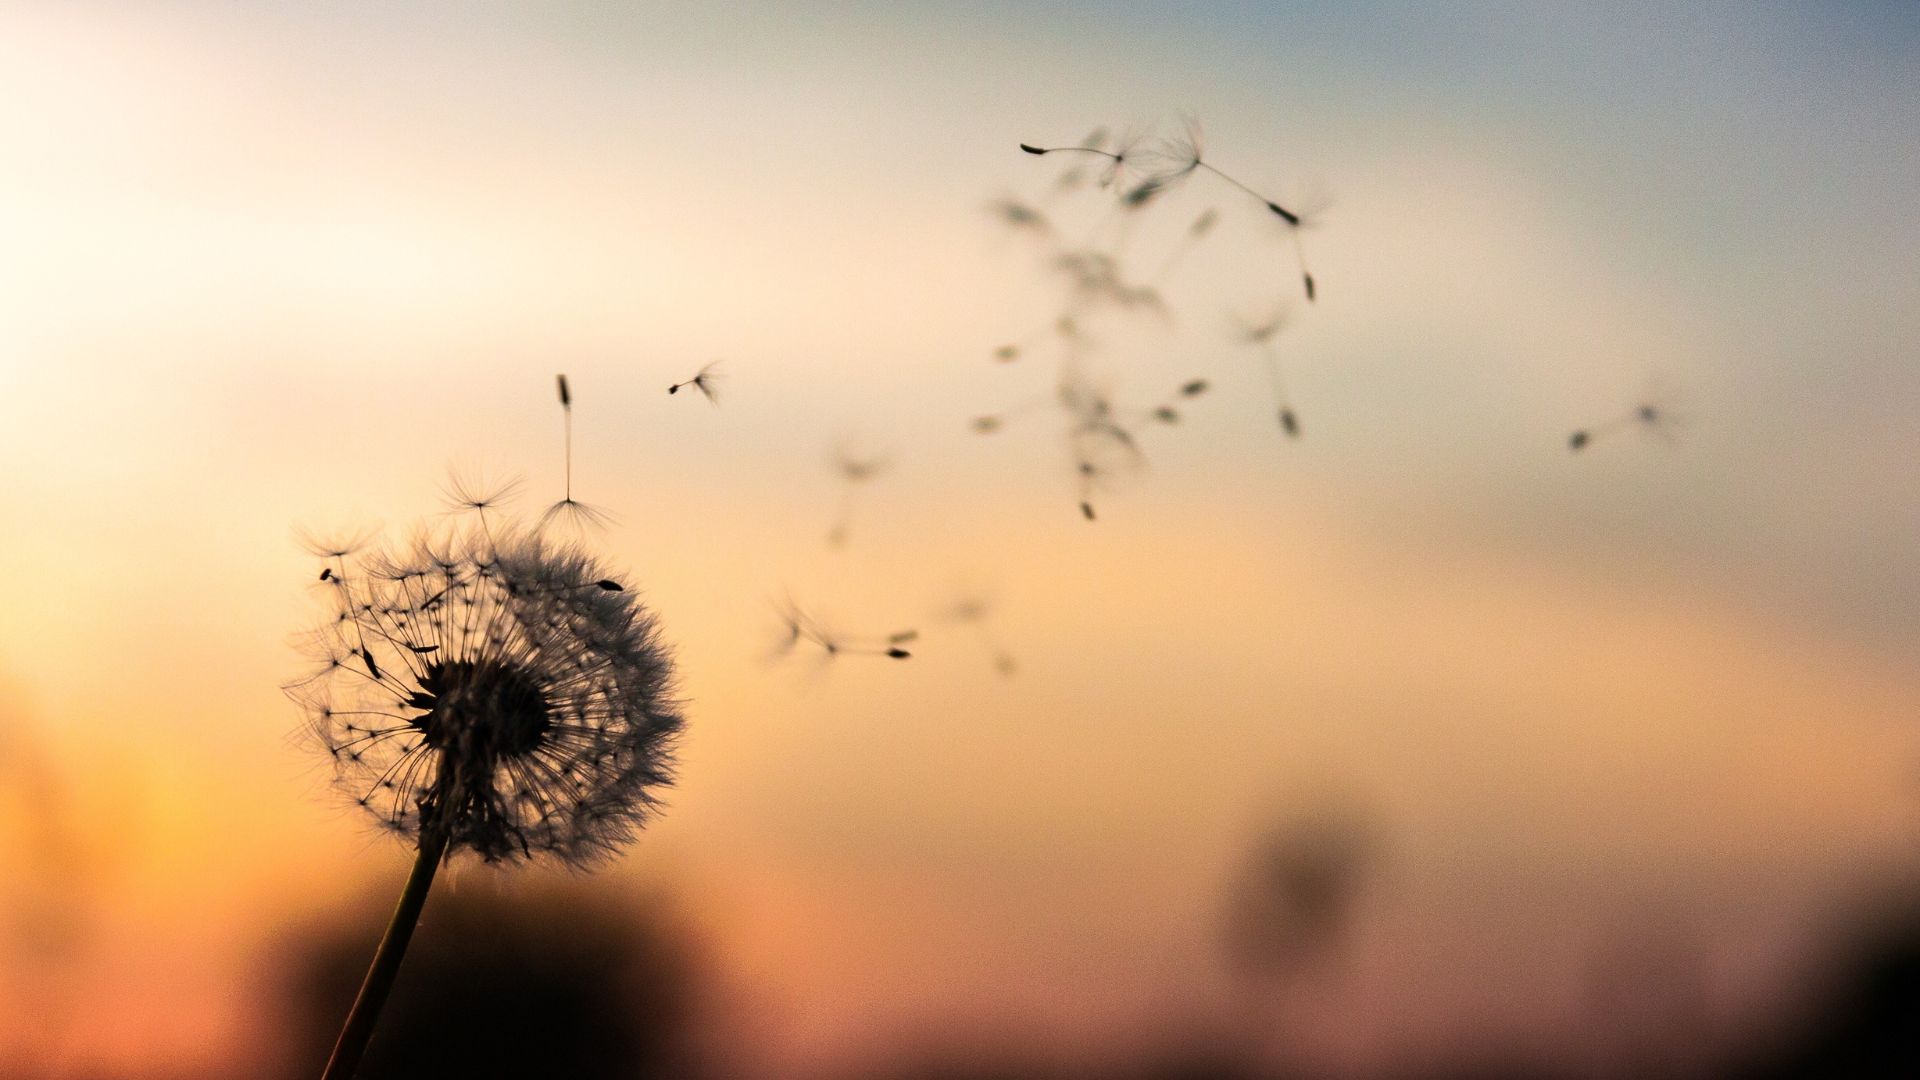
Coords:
358,1030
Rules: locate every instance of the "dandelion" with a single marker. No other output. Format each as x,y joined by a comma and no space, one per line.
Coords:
1260,334
500,695
704,381
581,515
797,628
854,471
1654,415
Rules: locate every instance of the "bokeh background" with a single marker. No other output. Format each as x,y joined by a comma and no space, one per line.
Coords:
1417,746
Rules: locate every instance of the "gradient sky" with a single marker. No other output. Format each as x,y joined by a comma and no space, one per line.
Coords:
281,265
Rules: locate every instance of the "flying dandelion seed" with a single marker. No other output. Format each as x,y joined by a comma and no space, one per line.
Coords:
706,381
1101,446
1655,415
1101,442
1064,327
1118,160
798,629
1260,334
582,516
501,695
1175,157
1018,216
854,472
1167,412
1076,175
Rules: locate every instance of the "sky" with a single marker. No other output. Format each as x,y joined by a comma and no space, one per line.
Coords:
280,266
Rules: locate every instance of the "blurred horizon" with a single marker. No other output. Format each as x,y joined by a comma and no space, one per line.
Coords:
278,267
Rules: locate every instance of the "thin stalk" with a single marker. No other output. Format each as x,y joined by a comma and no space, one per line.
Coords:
358,1030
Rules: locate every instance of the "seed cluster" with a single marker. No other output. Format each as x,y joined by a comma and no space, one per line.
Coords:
503,693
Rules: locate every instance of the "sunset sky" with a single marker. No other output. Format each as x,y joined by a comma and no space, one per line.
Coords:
279,266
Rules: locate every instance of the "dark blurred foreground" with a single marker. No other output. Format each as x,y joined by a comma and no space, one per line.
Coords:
593,984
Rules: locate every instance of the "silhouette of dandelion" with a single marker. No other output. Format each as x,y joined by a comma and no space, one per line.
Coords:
495,694
581,516
705,381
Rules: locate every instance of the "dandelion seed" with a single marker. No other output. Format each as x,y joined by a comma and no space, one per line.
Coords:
1166,413
472,492
1180,155
1076,175
1019,216
1065,327
1260,334
705,382
1125,151
854,471
799,628
515,710
1656,415
581,516
337,544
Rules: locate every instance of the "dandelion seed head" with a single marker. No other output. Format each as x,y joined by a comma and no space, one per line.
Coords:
493,691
